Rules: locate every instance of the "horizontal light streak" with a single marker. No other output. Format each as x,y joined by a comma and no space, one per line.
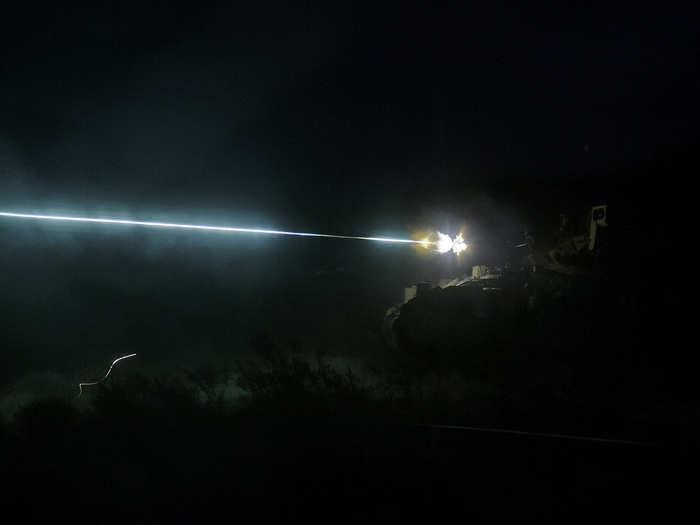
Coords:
204,227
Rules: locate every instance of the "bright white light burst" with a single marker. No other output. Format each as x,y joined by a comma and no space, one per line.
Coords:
445,243
458,245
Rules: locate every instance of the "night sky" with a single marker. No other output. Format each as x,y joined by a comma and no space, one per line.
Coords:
344,119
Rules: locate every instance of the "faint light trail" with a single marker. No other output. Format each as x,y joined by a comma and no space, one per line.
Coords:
81,385
206,228
543,434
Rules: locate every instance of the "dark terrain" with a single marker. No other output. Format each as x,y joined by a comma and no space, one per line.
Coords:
309,441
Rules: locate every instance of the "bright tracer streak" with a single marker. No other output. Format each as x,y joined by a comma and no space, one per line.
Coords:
200,227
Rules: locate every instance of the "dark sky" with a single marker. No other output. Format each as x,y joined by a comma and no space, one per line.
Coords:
347,120
320,98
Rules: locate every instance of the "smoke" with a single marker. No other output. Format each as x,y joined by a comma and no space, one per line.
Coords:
193,132
35,385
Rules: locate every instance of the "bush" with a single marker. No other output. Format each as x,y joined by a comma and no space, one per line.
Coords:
286,383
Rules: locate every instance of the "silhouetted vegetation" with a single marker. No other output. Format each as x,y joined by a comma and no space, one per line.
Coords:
286,433
301,436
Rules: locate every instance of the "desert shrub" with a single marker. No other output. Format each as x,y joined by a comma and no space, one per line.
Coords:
138,394
285,382
211,381
49,417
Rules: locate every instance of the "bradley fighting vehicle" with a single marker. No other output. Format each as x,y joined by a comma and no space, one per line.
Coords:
493,304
